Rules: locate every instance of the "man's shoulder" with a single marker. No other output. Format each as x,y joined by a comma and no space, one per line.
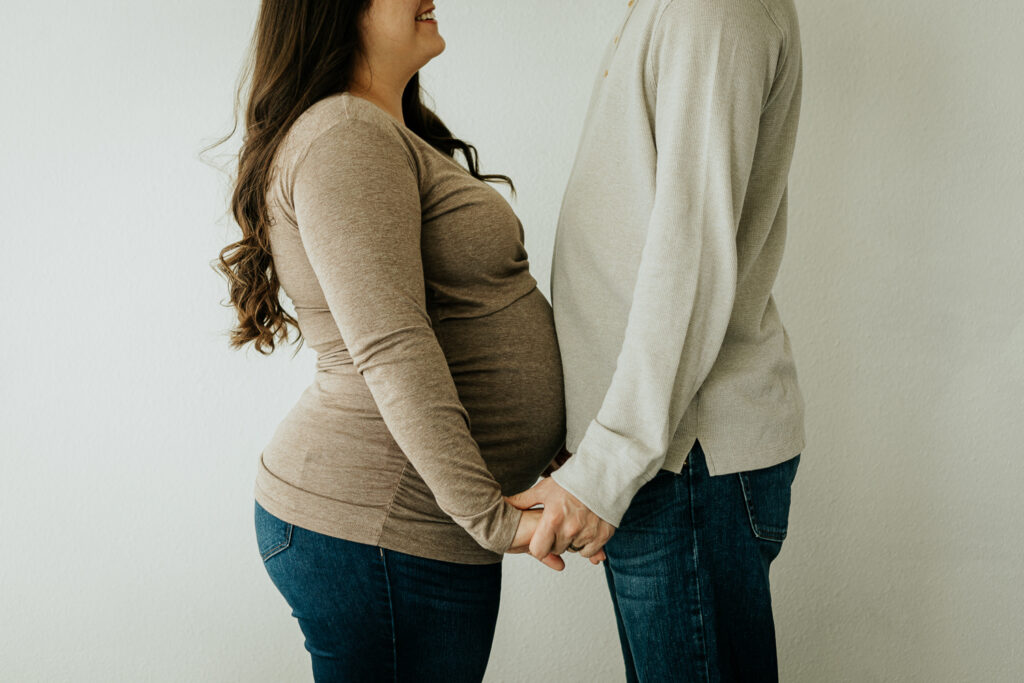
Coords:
726,15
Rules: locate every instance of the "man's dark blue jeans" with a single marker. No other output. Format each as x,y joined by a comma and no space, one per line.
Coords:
688,573
371,614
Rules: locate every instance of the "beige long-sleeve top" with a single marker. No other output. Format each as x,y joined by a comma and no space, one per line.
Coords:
438,385
669,241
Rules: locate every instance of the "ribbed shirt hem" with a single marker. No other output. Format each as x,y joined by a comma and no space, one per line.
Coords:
444,541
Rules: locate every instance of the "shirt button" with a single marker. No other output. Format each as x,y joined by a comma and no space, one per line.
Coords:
606,74
616,41
630,3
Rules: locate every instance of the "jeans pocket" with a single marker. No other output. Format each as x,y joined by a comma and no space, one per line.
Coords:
766,493
273,535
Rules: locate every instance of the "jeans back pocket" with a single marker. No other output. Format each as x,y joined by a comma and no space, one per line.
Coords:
272,534
767,495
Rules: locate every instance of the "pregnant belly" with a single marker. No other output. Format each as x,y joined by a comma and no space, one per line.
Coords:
508,373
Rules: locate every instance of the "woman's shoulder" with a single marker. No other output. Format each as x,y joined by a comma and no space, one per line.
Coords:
342,118
340,134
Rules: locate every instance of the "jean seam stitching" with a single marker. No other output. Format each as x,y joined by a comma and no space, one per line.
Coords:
620,622
763,531
696,575
280,547
391,615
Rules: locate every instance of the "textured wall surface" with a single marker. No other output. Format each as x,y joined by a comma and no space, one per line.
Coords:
129,432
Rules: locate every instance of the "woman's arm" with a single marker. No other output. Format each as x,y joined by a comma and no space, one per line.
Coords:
357,206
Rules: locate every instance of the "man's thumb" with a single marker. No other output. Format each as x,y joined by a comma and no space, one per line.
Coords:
525,500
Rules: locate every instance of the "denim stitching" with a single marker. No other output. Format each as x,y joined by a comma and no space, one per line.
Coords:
391,613
762,531
628,661
280,546
696,574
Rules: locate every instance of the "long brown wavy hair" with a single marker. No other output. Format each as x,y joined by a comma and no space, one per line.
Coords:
302,52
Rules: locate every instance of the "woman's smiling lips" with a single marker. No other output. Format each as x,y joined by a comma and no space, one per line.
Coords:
427,17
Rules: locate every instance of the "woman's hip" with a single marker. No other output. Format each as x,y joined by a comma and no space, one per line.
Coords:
369,613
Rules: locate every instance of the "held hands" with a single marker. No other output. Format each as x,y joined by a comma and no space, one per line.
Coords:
524,533
564,521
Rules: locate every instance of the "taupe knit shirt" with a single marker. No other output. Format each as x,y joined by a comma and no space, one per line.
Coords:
669,241
438,385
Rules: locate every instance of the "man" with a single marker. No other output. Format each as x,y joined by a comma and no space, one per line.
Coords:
685,419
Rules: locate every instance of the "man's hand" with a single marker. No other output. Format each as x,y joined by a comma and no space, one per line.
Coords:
524,533
565,520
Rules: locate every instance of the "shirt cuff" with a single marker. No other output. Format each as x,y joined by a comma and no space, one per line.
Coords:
496,528
605,473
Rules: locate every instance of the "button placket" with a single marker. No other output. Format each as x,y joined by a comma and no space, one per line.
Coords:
618,36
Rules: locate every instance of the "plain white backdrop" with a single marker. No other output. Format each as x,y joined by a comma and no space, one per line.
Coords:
130,432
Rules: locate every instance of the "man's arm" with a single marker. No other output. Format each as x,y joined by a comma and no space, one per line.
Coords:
712,65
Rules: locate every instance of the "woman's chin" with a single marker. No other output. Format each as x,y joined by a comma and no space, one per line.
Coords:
431,55
438,47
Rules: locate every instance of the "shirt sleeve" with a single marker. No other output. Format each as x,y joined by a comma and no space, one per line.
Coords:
357,206
711,70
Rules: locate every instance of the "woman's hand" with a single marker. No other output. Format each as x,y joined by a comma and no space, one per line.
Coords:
524,533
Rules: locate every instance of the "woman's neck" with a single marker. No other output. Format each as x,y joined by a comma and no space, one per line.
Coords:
382,89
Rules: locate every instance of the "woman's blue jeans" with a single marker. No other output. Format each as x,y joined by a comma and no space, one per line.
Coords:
370,614
688,573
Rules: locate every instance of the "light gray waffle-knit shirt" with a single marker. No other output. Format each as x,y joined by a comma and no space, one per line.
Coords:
670,238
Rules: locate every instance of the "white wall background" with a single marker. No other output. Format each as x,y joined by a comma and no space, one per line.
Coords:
129,432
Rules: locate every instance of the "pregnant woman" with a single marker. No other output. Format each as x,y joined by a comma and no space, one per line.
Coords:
380,509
